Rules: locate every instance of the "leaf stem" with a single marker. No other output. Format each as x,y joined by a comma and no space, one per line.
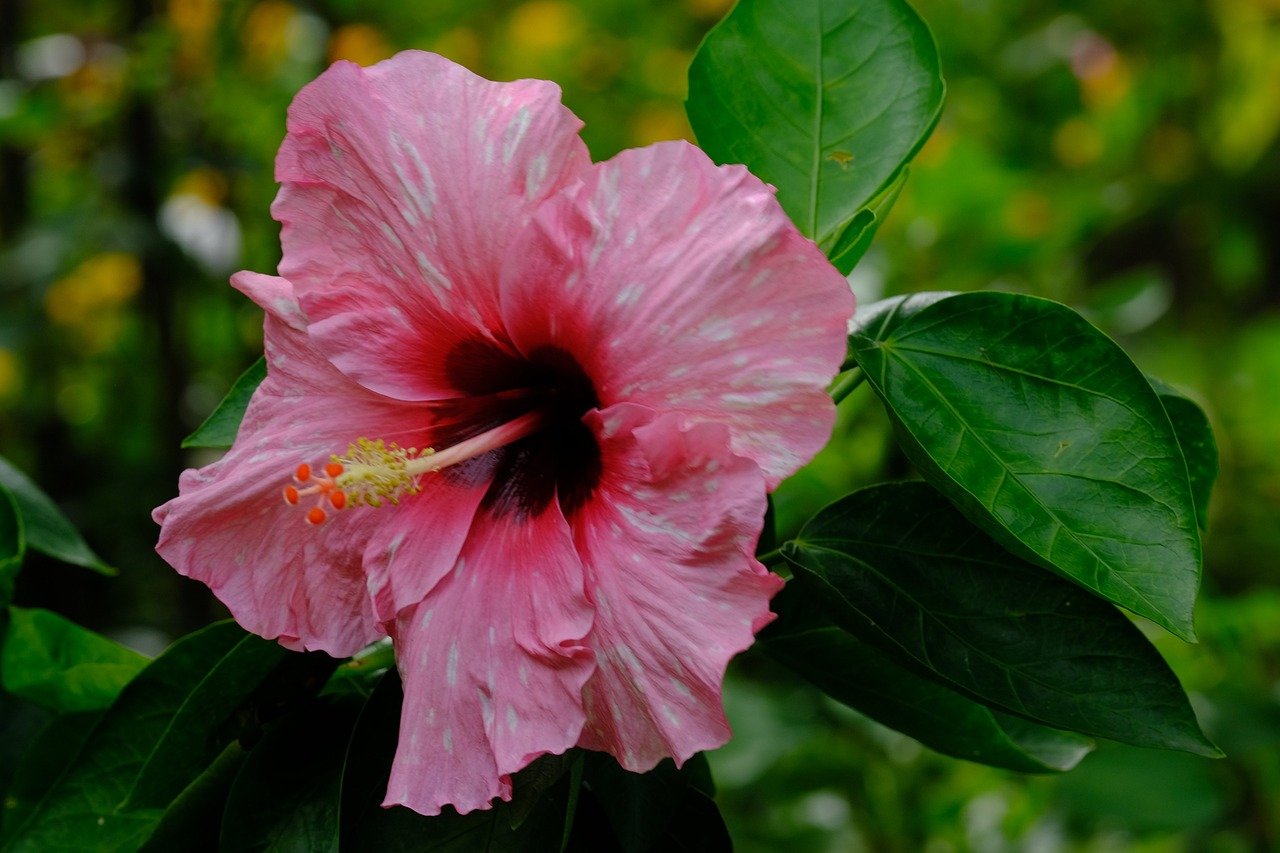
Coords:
770,557
381,655
847,383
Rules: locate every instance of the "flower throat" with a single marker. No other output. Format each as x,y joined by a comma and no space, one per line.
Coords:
517,423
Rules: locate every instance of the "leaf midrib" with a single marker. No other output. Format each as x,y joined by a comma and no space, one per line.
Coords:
898,346
819,102
1062,527
924,615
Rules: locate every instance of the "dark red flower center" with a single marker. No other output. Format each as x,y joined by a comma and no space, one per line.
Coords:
559,461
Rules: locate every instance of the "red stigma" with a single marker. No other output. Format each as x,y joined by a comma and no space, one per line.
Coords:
305,482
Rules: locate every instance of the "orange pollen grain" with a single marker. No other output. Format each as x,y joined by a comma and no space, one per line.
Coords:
333,469
338,498
316,515
291,495
303,473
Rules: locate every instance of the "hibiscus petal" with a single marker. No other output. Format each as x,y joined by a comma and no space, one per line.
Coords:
683,286
403,185
421,539
493,665
229,527
667,547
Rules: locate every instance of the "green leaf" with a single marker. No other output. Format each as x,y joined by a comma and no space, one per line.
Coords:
42,763
664,809
202,724
1199,447
855,673
1044,433
826,101
219,429
900,568
878,319
538,778
45,527
13,545
286,794
856,238
512,826
81,811
56,663
193,823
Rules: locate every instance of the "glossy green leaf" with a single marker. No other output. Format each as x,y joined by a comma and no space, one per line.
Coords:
193,822
878,319
855,239
901,568
1199,447
44,526
13,545
512,826
81,811
43,762
197,729
664,809
826,101
1048,437
285,796
857,674
56,663
219,429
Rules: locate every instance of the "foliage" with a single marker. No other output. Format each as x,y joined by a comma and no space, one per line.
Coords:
975,611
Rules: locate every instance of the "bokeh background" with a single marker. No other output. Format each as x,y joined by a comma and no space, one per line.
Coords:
1121,157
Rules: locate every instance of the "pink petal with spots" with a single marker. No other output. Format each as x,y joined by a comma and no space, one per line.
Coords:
369,336
403,186
668,548
418,542
683,286
493,665
230,528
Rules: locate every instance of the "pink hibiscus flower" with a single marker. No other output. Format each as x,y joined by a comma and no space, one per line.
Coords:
530,406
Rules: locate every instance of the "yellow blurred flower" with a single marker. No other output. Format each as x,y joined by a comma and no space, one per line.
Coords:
10,375
1104,75
462,45
1077,143
265,33
87,300
97,83
599,63
656,122
1170,153
359,43
1028,215
545,26
209,185
1246,120
936,151
666,71
193,18
193,21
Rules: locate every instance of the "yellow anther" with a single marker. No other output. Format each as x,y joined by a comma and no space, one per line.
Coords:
374,471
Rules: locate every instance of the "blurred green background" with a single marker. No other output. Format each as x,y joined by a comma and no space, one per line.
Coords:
1121,157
